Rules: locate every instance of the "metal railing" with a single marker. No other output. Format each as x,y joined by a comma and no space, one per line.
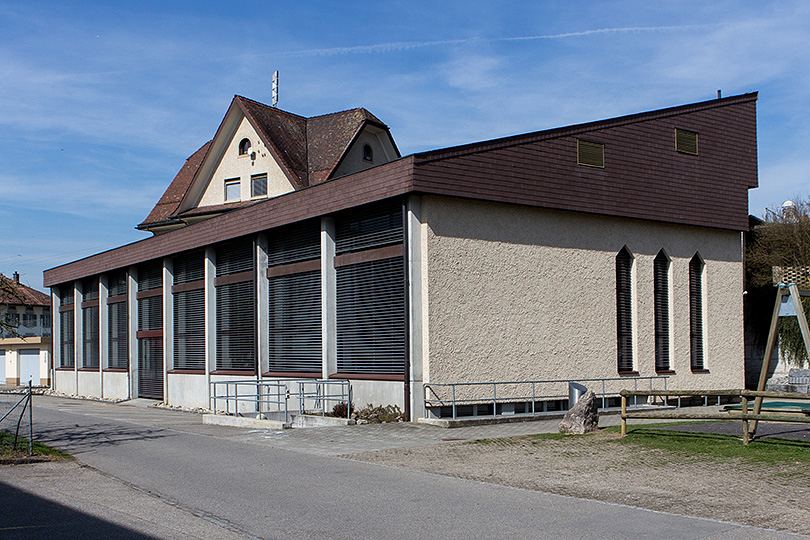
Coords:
272,397
14,422
534,393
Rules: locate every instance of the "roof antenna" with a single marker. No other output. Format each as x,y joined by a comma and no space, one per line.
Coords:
275,88
719,94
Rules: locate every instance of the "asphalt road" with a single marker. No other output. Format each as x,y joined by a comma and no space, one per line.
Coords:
248,487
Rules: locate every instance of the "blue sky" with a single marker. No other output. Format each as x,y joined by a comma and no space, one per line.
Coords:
101,102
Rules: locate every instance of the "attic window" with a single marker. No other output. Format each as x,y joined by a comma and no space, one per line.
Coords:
368,153
244,147
591,154
232,190
686,142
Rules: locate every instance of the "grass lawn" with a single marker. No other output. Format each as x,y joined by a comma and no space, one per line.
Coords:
7,450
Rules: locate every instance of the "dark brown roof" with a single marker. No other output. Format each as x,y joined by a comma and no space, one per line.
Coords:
170,201
15,293
644,178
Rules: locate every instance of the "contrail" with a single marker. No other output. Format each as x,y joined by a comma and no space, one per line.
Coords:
405,45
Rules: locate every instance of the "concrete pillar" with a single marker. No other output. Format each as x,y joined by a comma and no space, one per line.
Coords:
328,298
416,261
210,317
168,325
132,329
56,335
78,337
103,322
262,306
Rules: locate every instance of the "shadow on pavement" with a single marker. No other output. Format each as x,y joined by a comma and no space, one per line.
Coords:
26,516
78,439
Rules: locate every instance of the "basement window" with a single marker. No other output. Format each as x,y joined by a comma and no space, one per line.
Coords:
591,154
686,142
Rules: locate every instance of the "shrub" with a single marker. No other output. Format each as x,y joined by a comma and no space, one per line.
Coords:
378,414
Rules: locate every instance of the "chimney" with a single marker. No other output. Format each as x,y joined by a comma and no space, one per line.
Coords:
16,277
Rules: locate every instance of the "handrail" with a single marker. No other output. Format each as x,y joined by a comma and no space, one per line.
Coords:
494,397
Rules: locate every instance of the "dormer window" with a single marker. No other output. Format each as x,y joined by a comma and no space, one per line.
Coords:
368,153
244,147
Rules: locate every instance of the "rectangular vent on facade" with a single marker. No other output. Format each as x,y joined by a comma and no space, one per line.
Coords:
591,154
686,142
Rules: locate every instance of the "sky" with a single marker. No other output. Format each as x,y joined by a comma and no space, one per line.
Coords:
102,102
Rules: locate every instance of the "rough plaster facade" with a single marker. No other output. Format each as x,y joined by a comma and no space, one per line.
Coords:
234,166
516,293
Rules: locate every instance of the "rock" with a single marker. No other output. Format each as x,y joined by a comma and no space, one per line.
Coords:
582,417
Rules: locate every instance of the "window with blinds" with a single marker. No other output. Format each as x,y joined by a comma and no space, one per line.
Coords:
294,282
624,311
67,357
661,310
117,321
189,311
696,266
236,306
90,343
371,317
150,331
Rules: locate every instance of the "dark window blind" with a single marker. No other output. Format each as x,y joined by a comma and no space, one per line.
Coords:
90,347
371,328
295,322
369,227
66,340
624,311
661,310
236,308
189,267
696,312
117,335
150,276
189,329
117,283
90,289
296,242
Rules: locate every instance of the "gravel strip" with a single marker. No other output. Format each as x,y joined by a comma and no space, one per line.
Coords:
602,468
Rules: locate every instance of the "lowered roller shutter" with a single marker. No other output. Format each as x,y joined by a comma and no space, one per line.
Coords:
661,308
624,311
696,313
150,331
371,331
189,312
295,323
236,306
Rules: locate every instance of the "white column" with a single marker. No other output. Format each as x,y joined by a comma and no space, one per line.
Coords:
328,298
56,335
416,322
78,337
210,317
262,306
132,330
168,325
103,321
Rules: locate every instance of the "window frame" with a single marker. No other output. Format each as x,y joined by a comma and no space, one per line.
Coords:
662,266
231,182
697,316
625,335
253,181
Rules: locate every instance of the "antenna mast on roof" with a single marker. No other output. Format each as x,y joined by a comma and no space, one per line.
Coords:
275,88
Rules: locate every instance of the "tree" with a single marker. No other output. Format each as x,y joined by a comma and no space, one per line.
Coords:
8,295
779,243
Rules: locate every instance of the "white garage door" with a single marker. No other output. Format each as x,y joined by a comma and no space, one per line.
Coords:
29,367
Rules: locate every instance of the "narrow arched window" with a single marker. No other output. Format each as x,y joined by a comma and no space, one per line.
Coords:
696,269
624,311
368,153
244,147
661,310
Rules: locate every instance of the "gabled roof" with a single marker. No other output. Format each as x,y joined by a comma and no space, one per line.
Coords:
14,293
308,150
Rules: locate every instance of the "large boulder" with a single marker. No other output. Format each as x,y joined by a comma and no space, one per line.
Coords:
582,417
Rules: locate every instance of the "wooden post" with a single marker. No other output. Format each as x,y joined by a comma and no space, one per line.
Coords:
745,420
624,415
766,361
797,305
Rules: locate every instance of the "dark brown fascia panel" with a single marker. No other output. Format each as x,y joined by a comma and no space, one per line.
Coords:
383,182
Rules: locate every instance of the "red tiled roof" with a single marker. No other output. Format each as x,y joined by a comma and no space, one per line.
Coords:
170,201
15,293
328,138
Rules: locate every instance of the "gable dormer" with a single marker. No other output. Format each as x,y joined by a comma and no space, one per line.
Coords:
261,152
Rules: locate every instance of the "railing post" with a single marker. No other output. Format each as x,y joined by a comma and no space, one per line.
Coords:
454,401
494,399
603,393
533,400
745,420
624,415
30,421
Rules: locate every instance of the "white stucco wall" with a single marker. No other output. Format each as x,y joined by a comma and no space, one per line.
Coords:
516,293
381,147
232,165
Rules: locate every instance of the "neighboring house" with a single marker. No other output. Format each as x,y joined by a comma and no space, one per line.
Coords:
291,247
25,341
